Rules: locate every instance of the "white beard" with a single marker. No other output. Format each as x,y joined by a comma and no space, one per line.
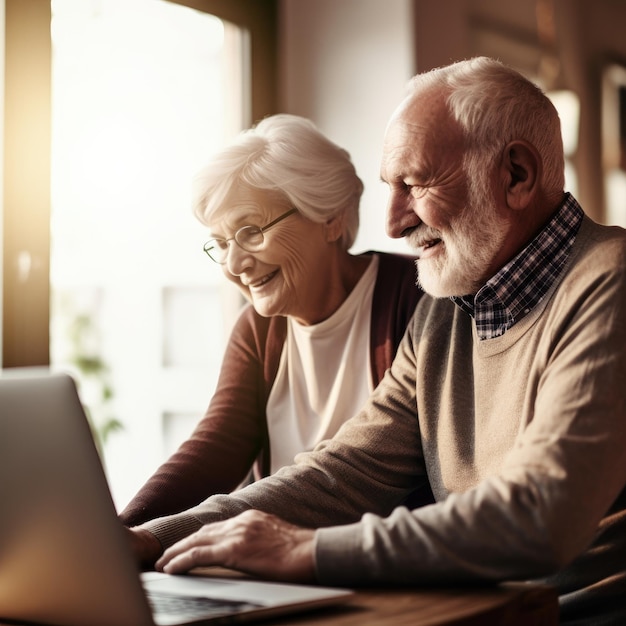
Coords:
462,264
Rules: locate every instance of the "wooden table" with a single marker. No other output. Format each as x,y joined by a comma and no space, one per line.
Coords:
510,604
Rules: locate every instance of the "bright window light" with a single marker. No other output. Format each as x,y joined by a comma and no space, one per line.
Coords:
143,92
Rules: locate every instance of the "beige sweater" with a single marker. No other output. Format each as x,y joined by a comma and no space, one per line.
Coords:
522,437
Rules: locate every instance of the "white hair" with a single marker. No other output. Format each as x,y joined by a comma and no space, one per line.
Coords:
288,156
494,104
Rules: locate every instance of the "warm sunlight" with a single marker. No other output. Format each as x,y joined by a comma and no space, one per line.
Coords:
140,99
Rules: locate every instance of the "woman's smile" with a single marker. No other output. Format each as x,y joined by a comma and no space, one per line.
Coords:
261,282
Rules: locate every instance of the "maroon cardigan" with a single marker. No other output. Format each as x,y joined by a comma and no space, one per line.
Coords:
232,437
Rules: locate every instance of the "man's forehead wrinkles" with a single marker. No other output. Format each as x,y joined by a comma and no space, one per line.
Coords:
393,170
415,125
398,151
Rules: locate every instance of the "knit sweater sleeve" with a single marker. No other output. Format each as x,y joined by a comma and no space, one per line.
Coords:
219,453
373,463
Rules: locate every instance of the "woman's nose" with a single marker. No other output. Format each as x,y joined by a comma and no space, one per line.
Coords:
238,260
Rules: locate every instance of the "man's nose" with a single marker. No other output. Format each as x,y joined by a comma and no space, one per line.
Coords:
401,217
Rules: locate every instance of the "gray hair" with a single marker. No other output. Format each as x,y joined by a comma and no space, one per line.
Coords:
495,104
289,157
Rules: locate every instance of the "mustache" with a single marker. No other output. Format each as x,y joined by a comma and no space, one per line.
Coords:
421,236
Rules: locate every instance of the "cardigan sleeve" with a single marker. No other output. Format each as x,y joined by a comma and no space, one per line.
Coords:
396,295
221,450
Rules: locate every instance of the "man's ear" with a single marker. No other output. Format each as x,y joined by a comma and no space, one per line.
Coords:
333,228
521,165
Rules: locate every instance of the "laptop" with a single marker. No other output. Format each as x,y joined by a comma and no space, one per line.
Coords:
64,556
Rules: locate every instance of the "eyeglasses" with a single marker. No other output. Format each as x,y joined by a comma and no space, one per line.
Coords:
248,238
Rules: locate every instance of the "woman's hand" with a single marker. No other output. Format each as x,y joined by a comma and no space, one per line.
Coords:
253,542
145,546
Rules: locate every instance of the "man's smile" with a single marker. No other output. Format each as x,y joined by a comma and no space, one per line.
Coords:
423,247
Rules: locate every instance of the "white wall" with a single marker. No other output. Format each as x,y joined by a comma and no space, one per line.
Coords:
344,64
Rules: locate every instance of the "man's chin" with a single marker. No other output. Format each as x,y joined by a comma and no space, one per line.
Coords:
437,286
438,295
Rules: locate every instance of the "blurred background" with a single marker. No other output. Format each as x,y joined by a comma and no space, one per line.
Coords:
111,106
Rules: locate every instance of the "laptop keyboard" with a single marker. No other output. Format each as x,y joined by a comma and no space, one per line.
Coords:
195,606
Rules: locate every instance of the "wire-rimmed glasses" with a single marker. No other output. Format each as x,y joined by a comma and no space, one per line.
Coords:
248,238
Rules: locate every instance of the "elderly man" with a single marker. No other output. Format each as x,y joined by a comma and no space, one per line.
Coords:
507,394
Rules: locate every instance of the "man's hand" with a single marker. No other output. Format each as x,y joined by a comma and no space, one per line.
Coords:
145,546
253,542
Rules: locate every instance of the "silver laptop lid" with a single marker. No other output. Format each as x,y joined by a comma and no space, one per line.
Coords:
64,558
53,503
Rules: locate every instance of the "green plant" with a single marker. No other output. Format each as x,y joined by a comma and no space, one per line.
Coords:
83,354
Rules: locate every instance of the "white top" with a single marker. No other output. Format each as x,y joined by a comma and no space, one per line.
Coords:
323,376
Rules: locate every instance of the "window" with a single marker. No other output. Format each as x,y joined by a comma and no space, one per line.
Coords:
142,92
136,310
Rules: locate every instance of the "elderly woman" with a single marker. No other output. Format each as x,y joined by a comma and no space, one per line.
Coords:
322,326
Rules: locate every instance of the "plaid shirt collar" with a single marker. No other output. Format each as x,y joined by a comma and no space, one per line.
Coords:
523,282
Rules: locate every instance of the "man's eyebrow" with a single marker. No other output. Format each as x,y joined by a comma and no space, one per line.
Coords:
398,178
384,178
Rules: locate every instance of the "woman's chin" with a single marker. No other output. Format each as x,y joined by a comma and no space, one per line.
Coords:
265,308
